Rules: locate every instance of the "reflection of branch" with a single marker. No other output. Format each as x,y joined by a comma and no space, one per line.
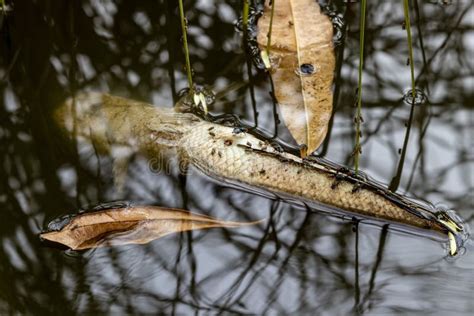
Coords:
337,87
33,189
383,238
446,40
357,306
233,289
419,154
283,267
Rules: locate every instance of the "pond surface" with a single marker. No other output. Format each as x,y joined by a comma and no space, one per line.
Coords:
299,261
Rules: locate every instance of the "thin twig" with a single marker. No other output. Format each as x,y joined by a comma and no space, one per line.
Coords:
269,35
245,16
358,118
185,46
396,179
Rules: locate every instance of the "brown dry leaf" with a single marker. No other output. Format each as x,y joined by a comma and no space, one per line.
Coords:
127,225
301,35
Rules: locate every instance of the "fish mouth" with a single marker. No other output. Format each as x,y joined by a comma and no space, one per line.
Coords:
457,230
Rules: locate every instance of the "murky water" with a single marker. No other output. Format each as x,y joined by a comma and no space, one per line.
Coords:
299,261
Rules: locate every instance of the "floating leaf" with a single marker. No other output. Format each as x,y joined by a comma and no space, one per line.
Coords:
127,225
302,57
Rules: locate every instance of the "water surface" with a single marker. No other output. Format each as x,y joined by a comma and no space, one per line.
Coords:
300,261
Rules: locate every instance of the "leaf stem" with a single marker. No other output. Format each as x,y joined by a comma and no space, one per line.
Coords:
358,118
185,46
269,35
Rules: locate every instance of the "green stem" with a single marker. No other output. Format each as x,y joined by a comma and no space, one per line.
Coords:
269,35
357,147
406,9
185,46
396,179
245,16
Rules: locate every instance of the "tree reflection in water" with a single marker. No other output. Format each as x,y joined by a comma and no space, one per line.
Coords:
300,260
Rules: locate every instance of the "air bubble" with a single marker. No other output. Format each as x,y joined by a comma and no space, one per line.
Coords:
337,20
251,23
210,96
442,2
420,97
338,24
183,92
251,41
59,223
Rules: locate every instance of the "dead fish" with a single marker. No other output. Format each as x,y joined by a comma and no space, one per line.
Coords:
107,121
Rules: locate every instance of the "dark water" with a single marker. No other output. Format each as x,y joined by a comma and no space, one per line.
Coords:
299,261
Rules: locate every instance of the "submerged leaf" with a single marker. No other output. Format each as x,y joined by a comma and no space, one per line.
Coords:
303,61
127,225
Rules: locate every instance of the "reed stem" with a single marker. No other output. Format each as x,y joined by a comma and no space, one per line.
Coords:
406,10
269,35
245,16
358,118
185,46
396,179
